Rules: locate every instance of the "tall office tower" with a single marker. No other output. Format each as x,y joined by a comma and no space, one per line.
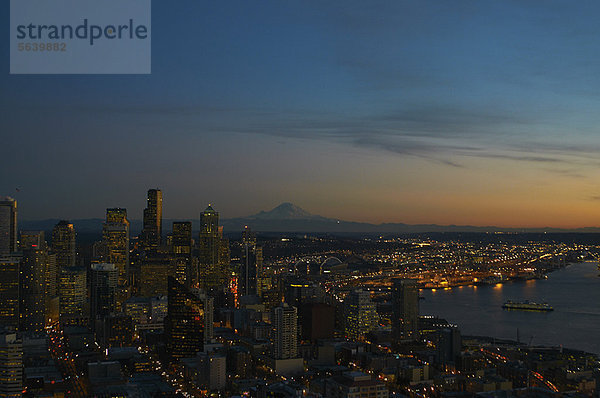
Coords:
361,315
52,300
181,248
285,327
251,262
73,296
11,365
209,308
8,225
182,238
405,310
115,235
184,324
208,249
63,244
36,260
34,266
152,231
103,290
9,290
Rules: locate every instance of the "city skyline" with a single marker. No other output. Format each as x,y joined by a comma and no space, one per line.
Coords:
471,114
341,199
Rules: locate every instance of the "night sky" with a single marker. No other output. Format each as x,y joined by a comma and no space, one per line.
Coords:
448,112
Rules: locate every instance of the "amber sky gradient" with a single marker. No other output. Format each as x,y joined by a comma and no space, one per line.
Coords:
462,112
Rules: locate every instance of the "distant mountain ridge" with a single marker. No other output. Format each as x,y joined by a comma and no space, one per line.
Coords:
286,211
288,217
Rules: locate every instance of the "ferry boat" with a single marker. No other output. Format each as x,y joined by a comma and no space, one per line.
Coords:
527,306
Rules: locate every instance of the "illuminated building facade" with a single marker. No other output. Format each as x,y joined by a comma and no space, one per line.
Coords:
182,238
115,235
405,310
209,241
11,365
181,248
34,267
252,260
361,315
103,289
154,270
285,327
73,296
184,325
9,290
63,244
152,231
8,226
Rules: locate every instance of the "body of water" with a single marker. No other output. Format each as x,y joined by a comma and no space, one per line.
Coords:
574,292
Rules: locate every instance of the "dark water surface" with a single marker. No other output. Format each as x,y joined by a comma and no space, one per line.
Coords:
574,292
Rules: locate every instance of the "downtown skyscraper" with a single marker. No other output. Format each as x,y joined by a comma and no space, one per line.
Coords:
115,236
405,310
184,324
209,243
8,225
150,238
63,244
361,315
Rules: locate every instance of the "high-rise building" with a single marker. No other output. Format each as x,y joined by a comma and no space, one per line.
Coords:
182,238
184,324
115,235
181,248
52,300
285,332
405,310
251,266
8,226
361,315
10,267
209,242
209,307
11,365
34,268
73,296
152,232
103,289
63,244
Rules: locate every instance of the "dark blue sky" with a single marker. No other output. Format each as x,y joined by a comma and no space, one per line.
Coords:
478,112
